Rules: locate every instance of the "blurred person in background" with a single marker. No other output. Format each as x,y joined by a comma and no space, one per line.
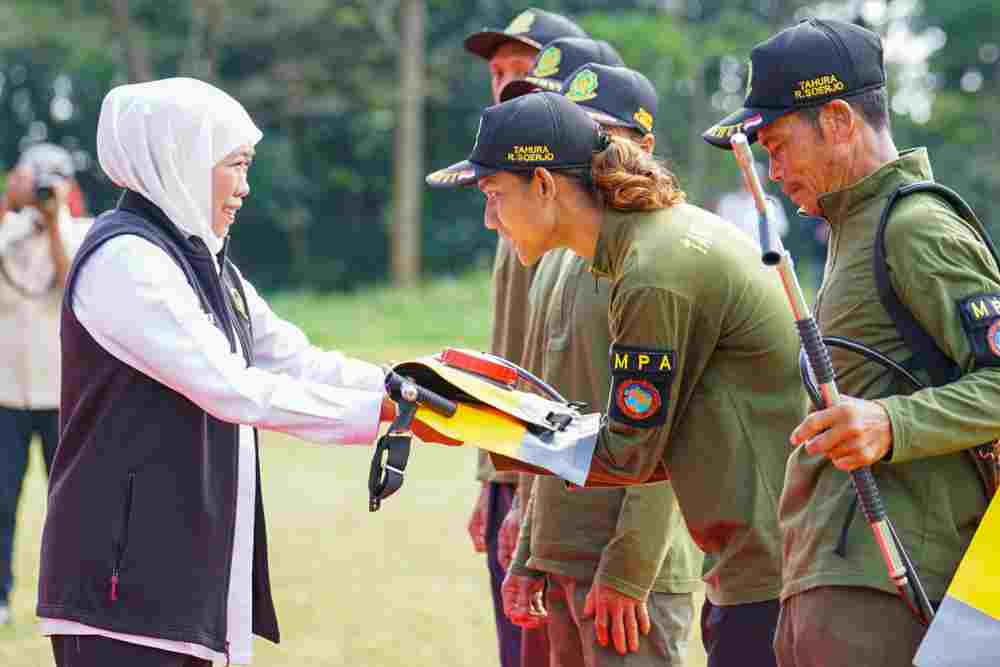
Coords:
510,54
603,555
40,230
738,208
154,549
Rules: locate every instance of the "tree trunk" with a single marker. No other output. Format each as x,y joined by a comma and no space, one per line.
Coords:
206,23
697,155
136,55
72,9
408,186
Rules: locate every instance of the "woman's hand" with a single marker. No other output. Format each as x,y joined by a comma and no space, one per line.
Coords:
426,433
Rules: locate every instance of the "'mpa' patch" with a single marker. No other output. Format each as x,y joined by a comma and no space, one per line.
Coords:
981,322
640,387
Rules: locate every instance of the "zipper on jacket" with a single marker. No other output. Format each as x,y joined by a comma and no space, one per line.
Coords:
122,538
230,332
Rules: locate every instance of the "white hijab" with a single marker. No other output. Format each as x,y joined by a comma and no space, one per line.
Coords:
162,139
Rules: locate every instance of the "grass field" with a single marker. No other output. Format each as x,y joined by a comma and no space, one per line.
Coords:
400,587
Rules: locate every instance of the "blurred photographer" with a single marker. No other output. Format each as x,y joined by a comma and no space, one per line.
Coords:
38,236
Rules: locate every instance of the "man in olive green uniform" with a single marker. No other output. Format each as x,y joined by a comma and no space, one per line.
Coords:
600,548
824,122
704,354
510,53
705,383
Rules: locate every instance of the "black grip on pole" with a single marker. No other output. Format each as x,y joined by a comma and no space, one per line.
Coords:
396,385
816,350
436,402
868,496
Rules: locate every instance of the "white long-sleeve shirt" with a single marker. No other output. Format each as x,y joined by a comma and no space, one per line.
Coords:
137,304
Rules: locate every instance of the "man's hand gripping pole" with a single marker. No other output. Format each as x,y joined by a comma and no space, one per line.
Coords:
897,562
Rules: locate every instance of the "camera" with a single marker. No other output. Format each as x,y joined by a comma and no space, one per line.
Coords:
45,187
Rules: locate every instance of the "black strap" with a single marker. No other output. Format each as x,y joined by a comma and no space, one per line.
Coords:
388,467
926,354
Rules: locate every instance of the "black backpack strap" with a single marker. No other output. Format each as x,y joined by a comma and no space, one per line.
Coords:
926,353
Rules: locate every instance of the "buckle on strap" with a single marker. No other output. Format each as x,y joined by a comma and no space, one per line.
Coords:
388,468
559,421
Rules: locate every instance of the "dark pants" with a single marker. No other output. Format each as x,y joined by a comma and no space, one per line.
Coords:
741,634
508,634
16,429
535,647
94,651
846,625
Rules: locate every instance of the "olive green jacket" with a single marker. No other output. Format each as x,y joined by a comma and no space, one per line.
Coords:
632,539
690,289
932,492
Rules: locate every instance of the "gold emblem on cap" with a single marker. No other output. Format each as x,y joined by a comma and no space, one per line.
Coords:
548,62
749,79
644,118
583,87
521,23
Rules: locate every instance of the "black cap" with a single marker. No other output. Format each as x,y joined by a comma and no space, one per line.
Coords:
613,96
534,27
803,66
557,61
539,130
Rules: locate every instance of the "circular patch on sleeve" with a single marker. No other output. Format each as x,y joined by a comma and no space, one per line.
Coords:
993,338
638,399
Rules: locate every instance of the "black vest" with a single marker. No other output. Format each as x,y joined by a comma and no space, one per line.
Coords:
138,536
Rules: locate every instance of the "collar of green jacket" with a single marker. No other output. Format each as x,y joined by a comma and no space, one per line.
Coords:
912,165
613,242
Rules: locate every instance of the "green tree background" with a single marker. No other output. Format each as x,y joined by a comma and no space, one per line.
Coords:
321,79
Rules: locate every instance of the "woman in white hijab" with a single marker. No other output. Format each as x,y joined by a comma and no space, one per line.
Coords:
154,548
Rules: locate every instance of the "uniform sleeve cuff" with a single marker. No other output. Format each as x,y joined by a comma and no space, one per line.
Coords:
900,450
622,586
522,570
